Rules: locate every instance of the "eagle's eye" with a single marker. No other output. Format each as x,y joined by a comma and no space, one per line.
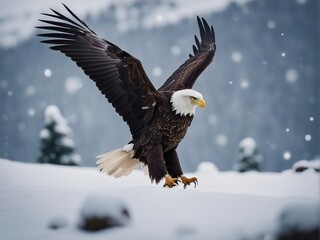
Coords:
193,98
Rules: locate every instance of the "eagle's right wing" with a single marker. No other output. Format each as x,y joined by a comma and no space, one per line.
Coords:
119,76
186,75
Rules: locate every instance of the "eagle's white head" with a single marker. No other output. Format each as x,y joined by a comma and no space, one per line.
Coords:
184,102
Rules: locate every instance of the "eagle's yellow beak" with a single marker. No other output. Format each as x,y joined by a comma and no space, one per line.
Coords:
199,102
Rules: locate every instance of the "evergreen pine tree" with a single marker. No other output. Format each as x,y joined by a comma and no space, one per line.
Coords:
249,158
56,145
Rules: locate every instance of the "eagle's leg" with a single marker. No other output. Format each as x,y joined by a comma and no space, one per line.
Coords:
153,154
172,163
174,169
187,181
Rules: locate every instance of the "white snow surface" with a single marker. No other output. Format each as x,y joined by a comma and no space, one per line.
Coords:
225,205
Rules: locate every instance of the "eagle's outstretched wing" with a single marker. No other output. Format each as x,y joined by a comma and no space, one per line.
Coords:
119,76
185,76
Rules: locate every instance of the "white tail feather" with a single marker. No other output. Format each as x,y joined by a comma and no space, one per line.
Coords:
119,162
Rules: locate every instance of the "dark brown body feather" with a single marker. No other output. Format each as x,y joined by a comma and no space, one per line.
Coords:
156,129
162,134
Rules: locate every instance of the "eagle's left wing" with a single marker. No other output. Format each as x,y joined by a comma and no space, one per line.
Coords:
119,76
186,75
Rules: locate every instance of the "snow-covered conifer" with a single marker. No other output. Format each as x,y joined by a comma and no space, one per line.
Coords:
249,158
57,147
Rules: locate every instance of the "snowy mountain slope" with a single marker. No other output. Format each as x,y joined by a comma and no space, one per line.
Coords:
18,18
224,206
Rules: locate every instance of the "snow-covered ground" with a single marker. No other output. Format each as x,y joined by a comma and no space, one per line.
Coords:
225,205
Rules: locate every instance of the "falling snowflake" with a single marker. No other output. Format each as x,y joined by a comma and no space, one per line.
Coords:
308,137
44,134
236,57
159,18
244,83
30,90
31,112
271,24
72,85
175,50
3,84
212,119
47,72
5,117
283,54
157,71
301,1
287,155
21,126
221,140
311,119
287,129
291,75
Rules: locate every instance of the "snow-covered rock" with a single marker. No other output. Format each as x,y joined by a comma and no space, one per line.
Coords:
101,212
303,165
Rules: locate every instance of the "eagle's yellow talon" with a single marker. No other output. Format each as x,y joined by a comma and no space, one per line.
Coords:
171,182
187,181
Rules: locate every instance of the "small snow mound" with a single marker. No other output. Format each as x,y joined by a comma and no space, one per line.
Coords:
102,212
57,222
303,165
207,168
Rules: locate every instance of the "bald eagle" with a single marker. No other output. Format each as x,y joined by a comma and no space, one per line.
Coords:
158,119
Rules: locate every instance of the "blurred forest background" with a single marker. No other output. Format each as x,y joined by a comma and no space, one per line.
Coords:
263,83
